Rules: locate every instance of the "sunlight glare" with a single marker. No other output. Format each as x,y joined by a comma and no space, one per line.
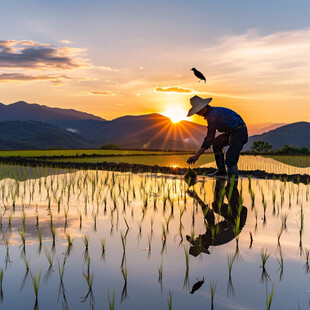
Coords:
176,114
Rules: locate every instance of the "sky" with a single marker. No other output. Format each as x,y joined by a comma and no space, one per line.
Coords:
115,58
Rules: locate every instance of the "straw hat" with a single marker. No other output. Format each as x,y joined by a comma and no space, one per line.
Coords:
197,105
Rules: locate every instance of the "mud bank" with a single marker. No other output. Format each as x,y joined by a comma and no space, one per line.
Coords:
138,168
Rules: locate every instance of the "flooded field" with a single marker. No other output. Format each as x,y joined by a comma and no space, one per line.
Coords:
274,164
107,240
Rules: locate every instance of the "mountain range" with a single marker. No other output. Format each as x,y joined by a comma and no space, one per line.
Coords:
33,126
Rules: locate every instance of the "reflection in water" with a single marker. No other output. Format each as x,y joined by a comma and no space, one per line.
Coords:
91,232
268,164
233,216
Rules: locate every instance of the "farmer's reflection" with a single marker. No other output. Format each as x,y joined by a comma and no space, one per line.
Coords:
230,224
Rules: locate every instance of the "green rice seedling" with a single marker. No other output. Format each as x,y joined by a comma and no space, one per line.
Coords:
24,219
307,265
53,234
213,284
264,257
22,234
280,261
81,219
269,298
86,242
186,278
279,234
10,220
26,261
36,282
251,240
103,242
169,300
49,256
230,261
284,220
111,303
124,273
61,270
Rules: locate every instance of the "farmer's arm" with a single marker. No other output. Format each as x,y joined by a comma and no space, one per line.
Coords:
207,142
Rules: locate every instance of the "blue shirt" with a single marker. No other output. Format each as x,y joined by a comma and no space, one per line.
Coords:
222,120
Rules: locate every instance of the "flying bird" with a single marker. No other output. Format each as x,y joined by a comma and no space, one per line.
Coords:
199,75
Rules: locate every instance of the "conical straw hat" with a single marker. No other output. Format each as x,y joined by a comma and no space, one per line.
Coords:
197,105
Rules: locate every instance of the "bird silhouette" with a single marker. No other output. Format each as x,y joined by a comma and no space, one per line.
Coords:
197,285
199,75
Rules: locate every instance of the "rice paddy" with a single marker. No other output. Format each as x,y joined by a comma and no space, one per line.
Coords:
87,239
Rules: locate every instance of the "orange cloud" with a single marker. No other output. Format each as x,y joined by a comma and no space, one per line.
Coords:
18,77
174,89
100,92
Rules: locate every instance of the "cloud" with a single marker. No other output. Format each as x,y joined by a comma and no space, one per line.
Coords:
99,92
106,68
279,59
33,55
174,89
19,77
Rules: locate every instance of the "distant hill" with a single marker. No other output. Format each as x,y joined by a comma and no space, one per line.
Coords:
35,135
258,129
23,111
151,131
25,126
297,134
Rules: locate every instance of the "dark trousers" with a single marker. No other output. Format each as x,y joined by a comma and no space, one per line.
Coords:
235,140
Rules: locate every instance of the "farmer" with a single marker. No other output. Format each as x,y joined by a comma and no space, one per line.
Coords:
233,217
234,134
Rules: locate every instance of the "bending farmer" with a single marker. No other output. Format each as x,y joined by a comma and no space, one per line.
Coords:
234,133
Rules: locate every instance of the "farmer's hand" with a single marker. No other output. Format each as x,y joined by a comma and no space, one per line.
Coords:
192,159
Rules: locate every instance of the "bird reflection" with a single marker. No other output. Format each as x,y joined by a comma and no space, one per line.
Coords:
233,217
197,285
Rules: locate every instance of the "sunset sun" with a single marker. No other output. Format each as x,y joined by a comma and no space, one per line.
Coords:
175,114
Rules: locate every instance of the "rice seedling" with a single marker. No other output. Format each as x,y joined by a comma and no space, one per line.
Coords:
307,265
61,270
280,261
103,242
53,234
284,217
124,273
269,298
264,257
279,234
213,284
22,234
169,300
86,242
36,282
251,240
49,256
111,303
230,261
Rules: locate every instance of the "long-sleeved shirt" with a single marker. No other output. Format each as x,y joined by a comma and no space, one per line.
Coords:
222,120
